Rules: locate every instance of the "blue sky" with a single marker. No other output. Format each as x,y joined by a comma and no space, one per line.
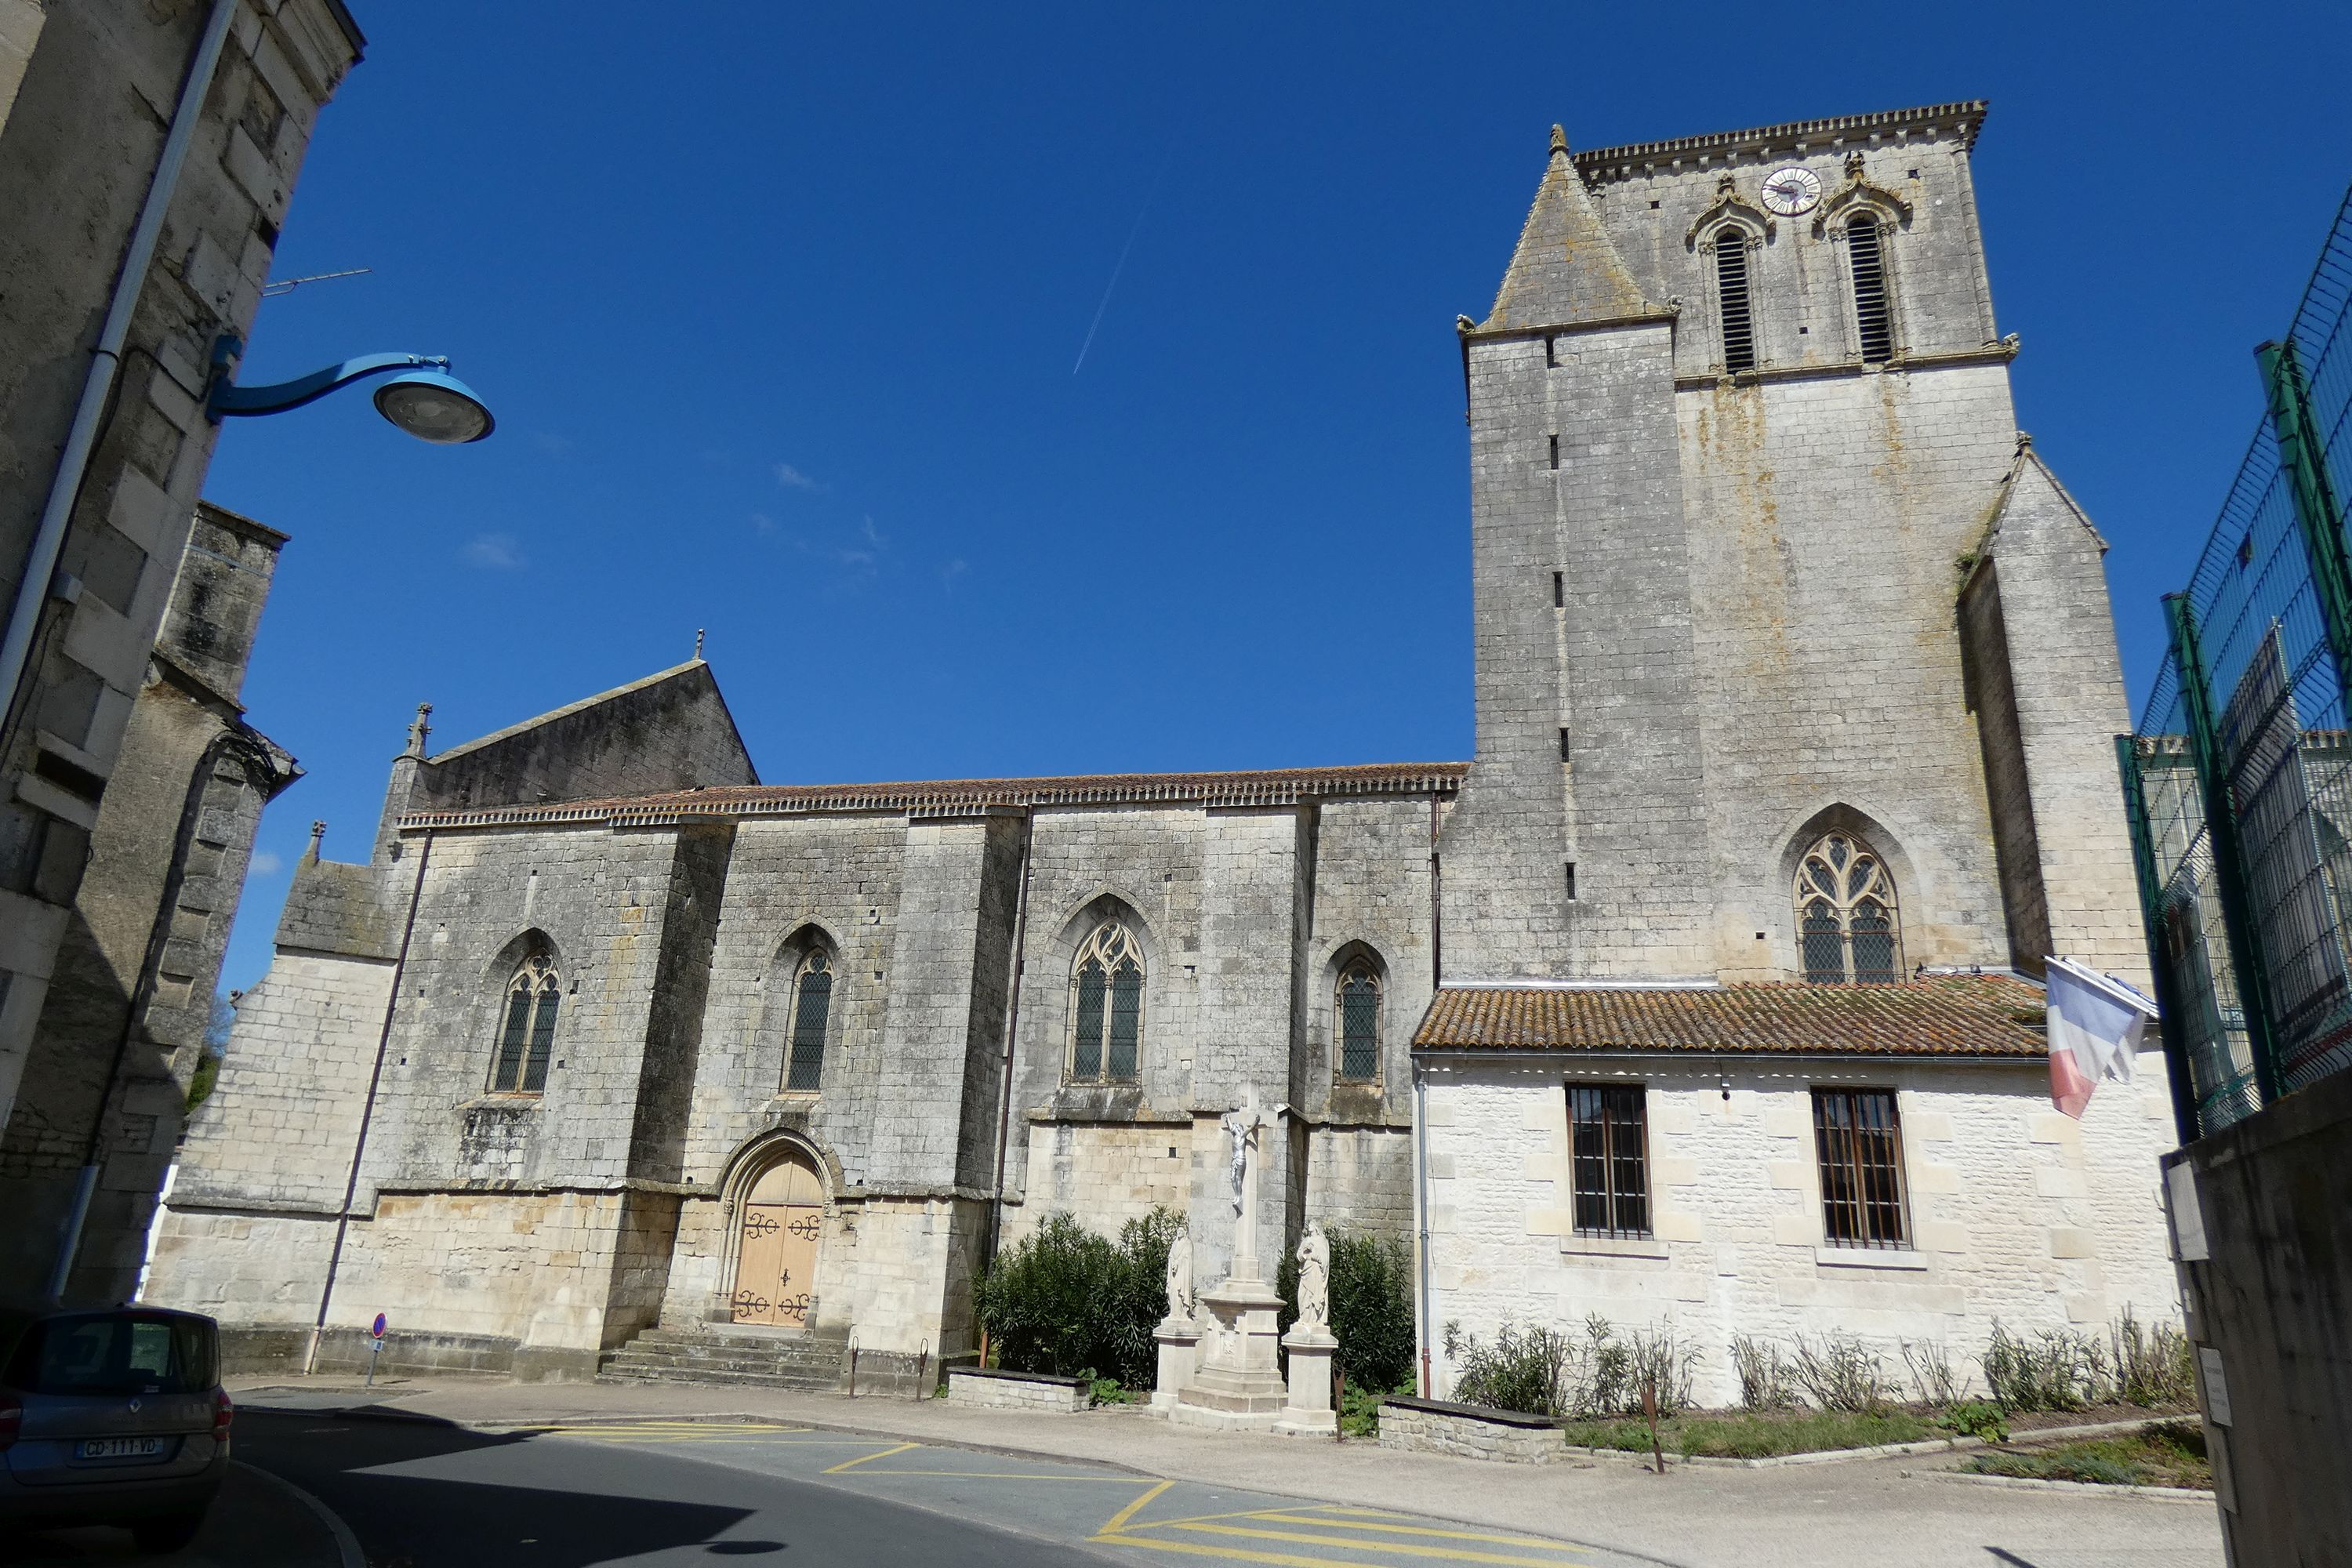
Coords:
780,311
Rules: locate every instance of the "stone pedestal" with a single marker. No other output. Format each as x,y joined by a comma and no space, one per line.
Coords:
1180,1340
1238,1382
1308,1413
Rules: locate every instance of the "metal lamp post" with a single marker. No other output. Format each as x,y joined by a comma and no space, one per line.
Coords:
424,400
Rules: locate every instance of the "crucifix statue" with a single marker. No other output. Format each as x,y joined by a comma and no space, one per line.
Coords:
1245,1126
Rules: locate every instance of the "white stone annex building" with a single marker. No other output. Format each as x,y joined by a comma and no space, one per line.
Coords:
1701,997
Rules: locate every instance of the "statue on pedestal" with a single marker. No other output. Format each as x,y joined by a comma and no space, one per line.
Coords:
1179,1278
1315,1281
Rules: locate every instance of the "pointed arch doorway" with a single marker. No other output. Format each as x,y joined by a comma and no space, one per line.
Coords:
775,1262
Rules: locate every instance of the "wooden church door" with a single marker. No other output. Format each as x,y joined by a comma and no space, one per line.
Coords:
783,1215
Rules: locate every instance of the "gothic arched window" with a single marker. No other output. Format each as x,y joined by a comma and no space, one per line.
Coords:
811,1008
1846,914
1734,309
527,1027
1865,251
1106,1008
1358,1008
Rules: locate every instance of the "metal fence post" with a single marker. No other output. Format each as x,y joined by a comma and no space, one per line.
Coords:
2169,1020
2222,826
2316,506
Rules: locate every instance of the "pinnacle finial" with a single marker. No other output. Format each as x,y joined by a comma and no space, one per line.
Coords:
1559,142
698,644
318,832
419,729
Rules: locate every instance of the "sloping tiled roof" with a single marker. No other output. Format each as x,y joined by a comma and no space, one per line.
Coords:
1957,1015
954,797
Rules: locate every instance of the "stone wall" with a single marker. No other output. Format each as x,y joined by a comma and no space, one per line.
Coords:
2015,1211
1468,1432
1015,1391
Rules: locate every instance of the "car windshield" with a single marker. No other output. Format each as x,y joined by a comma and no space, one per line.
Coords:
115,1352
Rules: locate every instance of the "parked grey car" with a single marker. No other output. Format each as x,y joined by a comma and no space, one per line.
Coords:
111,1417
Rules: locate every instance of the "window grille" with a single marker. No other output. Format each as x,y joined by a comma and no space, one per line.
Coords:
811,1008
1360,1022
1106,1008
1860,1149
1867,255
1731,295
527,1032
1609,1167
1846,915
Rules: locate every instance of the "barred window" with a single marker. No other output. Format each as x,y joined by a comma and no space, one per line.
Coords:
1359,1012
1106,1008
1846,915
1731,300
1867,254
526,1027
1605,1123
1861,1149
811,1008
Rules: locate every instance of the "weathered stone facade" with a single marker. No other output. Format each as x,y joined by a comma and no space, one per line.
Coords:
650,1041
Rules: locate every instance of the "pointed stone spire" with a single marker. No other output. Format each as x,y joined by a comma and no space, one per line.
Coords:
318,833
1566,270
401,788
698,644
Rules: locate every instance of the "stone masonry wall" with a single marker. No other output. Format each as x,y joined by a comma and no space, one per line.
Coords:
2016,1211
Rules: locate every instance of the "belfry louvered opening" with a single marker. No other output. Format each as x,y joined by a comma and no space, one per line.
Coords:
1867,252
1731,294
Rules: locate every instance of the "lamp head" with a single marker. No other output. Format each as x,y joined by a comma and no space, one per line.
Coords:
433,406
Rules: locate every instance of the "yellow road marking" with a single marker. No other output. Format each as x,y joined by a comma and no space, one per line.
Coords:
1131,1510
1197,1518
1233,1553
1272,1517
1453,1554
989,1475
878,1453
1351,1508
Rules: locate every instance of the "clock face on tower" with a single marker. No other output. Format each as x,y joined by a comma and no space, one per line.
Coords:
1791,191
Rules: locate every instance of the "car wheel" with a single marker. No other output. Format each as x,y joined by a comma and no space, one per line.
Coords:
168,1531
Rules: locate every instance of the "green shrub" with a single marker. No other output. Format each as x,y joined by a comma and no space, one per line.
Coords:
2151,1366
1976,1418
1067,1300
1522,1370
1754,1436
1934,1379
1840,1372
1764,1383
1360,1408
2057,1369
1371,1305
1544,1372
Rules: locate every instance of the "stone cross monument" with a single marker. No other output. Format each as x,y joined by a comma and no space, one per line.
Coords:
1238,1382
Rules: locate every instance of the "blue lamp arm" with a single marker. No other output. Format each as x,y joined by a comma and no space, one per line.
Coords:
227,398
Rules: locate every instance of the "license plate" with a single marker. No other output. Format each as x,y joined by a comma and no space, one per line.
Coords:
118,1447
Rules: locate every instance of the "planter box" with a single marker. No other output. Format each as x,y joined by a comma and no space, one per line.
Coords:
1015,1390
1469,1431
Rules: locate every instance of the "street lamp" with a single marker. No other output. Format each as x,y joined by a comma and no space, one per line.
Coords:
426,401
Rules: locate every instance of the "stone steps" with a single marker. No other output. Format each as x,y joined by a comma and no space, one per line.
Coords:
715,1355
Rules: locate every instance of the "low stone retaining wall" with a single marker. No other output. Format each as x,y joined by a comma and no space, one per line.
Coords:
1015,1390
1470,1431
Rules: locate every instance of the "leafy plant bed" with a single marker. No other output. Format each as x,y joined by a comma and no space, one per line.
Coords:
2023,1422
2169,1454
1740,1436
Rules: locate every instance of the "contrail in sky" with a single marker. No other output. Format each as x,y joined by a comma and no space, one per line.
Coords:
1121,265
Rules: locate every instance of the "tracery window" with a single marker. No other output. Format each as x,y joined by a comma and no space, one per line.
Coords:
1846,914
811,1006
1733,305
526,1027
1358,1009
1867,254
1107,1006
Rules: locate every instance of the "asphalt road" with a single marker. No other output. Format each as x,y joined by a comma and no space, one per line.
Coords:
420,1494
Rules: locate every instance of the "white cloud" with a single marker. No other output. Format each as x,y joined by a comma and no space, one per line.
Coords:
263,863
763,523
791,478
493,551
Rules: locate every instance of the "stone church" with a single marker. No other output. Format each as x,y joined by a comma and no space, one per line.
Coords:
1704,996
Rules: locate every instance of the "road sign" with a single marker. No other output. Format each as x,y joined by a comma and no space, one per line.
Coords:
376,1328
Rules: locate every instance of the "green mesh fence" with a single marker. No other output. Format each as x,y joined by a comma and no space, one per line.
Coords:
2239,779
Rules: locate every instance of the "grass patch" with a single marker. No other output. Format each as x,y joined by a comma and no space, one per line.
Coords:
2170,1454
1759,1436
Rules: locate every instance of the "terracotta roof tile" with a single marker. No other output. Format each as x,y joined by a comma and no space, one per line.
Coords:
1967,1015
951,797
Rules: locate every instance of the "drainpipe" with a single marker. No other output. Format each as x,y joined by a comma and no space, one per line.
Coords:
106,358
367,1107
142,990
1420,1218
1012,1033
